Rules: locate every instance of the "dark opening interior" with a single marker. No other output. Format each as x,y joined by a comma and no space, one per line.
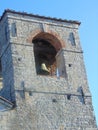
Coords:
44,57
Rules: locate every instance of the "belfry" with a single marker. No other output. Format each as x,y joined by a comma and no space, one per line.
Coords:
43,82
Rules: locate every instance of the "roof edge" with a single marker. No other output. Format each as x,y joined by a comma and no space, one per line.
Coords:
38,16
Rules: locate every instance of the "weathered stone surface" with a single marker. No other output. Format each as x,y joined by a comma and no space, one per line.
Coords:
43,102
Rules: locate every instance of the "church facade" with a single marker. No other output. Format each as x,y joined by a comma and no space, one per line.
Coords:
42,74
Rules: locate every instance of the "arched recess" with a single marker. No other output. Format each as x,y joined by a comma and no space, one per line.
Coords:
58,43
46,48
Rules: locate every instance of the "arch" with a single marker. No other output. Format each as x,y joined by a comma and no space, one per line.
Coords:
50,36
47,44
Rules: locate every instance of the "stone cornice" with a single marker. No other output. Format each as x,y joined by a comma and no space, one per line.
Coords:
38,16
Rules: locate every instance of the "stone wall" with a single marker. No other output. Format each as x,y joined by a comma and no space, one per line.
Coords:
43,102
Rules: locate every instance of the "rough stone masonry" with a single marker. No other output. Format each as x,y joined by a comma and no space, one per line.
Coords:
44,79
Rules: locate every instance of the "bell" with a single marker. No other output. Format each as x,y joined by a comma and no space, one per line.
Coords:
44,69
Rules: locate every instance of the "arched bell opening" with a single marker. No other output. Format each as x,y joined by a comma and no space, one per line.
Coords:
49,59
45,59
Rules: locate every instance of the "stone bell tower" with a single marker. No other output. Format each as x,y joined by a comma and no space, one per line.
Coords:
42,70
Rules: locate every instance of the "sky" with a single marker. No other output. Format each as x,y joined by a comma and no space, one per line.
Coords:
85,11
